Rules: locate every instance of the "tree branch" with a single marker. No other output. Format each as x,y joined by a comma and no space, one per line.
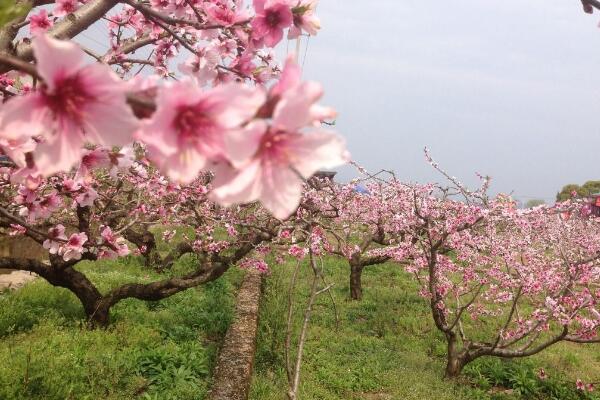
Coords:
589,5
68,27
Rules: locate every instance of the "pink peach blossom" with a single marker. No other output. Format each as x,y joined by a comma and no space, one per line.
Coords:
78,103
202,66
272,160
304,19
115,245
17,230
272,17
87,198
56,237
188,127
39,23
64,7
277,162
90,160
73,249
223,14
71,185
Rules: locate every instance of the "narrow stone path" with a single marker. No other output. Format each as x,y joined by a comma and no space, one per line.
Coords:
233,372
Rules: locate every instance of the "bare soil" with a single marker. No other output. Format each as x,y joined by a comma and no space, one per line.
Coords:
15,279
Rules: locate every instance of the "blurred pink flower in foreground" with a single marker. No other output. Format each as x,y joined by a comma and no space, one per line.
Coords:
273,159
77,104
189,125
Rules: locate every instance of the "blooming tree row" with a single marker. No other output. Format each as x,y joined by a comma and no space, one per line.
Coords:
363,221
500,281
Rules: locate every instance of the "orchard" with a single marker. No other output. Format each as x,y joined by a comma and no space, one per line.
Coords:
169,195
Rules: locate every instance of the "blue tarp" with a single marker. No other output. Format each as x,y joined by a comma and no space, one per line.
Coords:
361,189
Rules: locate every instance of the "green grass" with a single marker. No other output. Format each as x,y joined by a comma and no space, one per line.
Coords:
386,347
152,350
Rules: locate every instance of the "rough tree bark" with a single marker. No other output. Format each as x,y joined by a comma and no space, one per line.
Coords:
357,265
356,269
457,358
146,242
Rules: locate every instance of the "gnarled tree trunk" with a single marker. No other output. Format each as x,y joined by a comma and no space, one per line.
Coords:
457,358
146,242
63,274
356,280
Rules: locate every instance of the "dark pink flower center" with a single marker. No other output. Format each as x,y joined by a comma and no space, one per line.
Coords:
273,18
94,158
68,6
194,124
54,233
40,21
298,20
69,99
274,148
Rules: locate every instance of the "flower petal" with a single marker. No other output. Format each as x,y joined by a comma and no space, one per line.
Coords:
244,187
23,116
281,192
56,59
238,103
294,109
317,150
58,153
159,131
110,124
290,77
242,144
182,167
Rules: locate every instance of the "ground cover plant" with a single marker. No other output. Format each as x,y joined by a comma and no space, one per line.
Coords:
155,350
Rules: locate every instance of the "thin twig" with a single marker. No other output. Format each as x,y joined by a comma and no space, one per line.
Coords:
288,333
18,64
293,389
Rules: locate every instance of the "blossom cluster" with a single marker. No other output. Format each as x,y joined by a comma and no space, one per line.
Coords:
259,141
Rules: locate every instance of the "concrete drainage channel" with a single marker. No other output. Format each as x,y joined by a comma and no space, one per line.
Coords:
233,373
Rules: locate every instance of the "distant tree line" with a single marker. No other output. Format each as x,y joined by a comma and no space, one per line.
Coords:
588,188
534,203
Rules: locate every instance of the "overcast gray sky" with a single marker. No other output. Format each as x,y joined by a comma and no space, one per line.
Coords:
508,88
